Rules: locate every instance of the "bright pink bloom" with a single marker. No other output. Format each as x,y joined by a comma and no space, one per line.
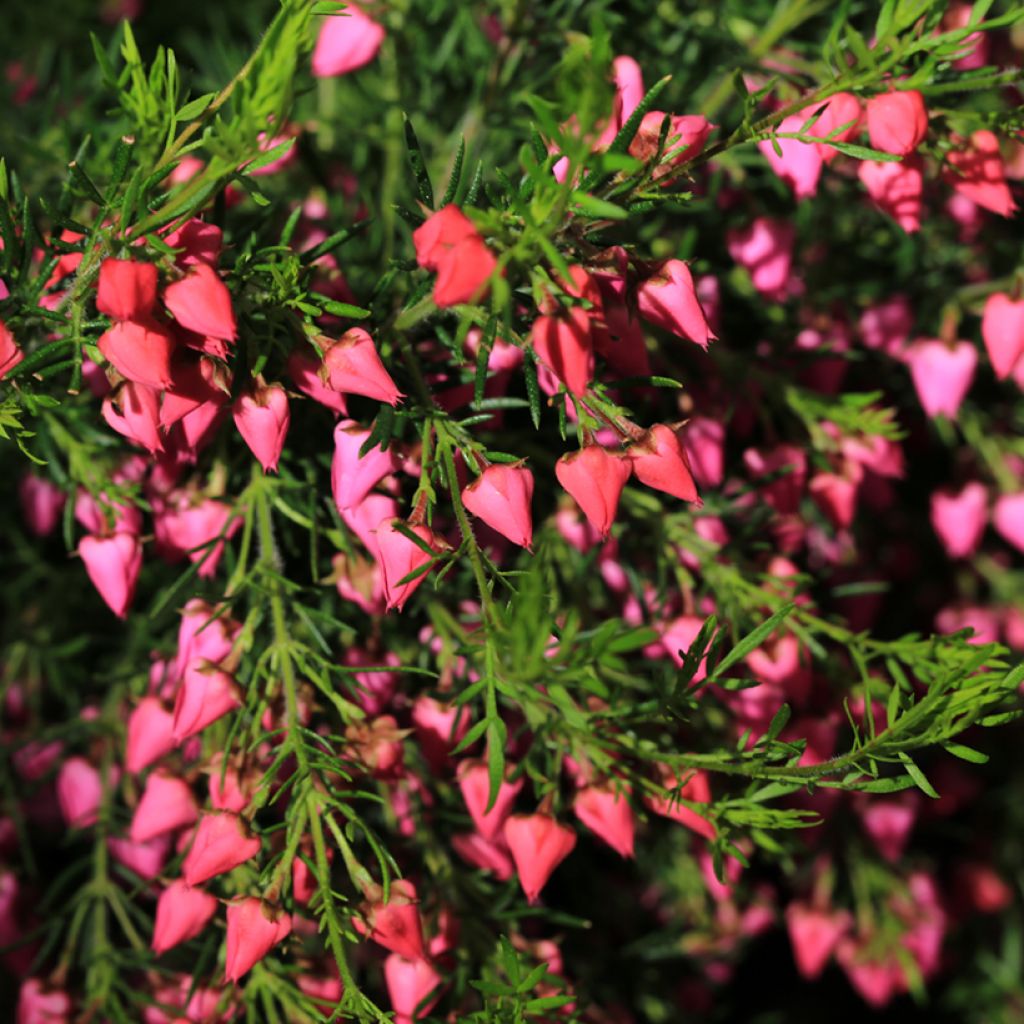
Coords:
395,925
147,859
133,410
254,928
485,855
183,526
200,241
79,792
221,842
354,476
305,372
409,984
595,477
206,694
501,497
167,804
687,134
629,86
836,494
897,121
896,189
126,289
695,790
150,734
475,784
448,242
181,914
668,298
841,109
704,441
140,350
1002,329
958,517
977,172
113,565
347,42
438,727
353,366
41,504
200,302
398,557
1008,519
942,374
538,844
887,324
262,418
765,248
660,461
564,344
678,636
38,1005
889,822
797,163
203,635
606,812
10,353
814,934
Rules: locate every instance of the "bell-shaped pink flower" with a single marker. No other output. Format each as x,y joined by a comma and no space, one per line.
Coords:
897,121
677,636
347,41
668,298
39,1005
200,241
147,860
79,792
887,324
181,914
221,842
133,410
10,352
942,374
206,694
797,163
354,476
395,925
150,734
765,248
1002,329
687,134
660,461
843,110
475,784
167,804
352,365
594,477
304,370
836,494
409,984
607,813
696,789
501,497
889,822
896,188
254,928
958,518
629,86
538,844
564,344
113,565
814,934
41,504
262,418
398,557
200,302
438,727
448,242
126,289
977,172
481,853
704,441
203,635
1008,518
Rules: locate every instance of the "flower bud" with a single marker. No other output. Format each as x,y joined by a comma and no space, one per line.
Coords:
79,792
147,859
565,346
1002,329
841,109
200,302
352,365
607,813
488,856
501,497
897,121
896,189
221,842
669,300
959,518
475,784
977,172
538,844
660,461
305,373
353,476
181,914
41,504
166,804
254,928
262,418
126,289
942,374
398,557
395,925
113,565
150,734
797,163
346,42
206,694
10,352
594,477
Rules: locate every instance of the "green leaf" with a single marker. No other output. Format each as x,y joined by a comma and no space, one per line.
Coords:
966,753
917,775
195,107
496,737
599,209
424,189
532,390
456,175
752,640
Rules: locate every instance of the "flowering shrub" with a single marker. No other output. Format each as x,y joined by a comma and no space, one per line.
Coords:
516,511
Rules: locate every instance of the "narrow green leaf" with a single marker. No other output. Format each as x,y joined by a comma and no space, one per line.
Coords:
456,175
419,168
917,775
752,640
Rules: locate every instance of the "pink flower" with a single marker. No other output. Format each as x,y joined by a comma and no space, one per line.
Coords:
206,694
10,353
841,109
595,478
977,172
438,727
501,497
660,461
181,914
140,350
668,298
475,784
147,859
1008,518
38,1005
150,734
695,790
79,792
166,805
687,134
395,925
897,121
564,344
814,934
200,302
538,844
606,812
126,289
262,418
765,248
353,366
113,565
704,441
448,242
347,42
1002,329
353,476
254,928
41,504
896,189
889,822
398,557
221,842
797,163
133,410
942,374
305,372
200,242
959,518
410,984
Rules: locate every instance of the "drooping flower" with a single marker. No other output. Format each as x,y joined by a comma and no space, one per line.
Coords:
221,842
501,497
347,41
897,121
1002,330
181,914
126,289
595,477
538,844
254,928
201,302
113,564
660,461
262,418
352,365
668,298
